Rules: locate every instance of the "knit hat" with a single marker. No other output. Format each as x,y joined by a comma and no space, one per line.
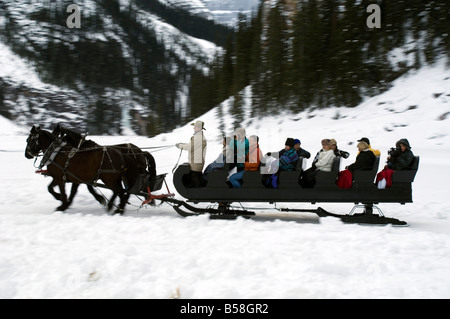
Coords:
290,142
297,141
364,139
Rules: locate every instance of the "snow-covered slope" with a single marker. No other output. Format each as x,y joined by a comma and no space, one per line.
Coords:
417,106
197,7
226,11
223,11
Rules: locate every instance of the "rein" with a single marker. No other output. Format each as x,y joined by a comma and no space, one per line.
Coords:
176,165
93,148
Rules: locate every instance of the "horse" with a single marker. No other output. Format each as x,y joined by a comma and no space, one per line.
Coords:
144,161
29,154
66,164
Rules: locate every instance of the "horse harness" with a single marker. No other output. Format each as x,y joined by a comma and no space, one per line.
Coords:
57,146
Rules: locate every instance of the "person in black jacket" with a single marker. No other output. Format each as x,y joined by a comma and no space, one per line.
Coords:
401,157
301,152
364,160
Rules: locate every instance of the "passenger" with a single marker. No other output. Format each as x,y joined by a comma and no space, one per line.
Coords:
239,147
289,157
401,157
300,151
322,162
196,149
252,162
287,162
224,157
364,160
375,152
337,151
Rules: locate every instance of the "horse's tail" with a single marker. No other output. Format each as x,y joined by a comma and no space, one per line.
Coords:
151,168
151,164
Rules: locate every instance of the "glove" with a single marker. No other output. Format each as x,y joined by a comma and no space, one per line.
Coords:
269,154
178,145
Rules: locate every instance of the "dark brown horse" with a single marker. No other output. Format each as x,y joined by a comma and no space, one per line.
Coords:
66,164
144,162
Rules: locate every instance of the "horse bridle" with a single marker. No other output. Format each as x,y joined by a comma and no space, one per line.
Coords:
35,140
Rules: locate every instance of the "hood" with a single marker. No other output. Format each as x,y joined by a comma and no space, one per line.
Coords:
403,141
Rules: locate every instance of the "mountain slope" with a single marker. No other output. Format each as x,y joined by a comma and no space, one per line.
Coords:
125,64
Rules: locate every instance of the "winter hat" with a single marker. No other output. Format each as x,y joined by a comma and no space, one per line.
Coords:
364,139
290,142
297,141
199,124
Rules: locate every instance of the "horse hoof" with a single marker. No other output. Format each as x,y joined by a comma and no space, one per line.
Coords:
119,211
61,208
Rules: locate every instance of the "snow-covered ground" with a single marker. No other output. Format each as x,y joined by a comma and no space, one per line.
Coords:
154,253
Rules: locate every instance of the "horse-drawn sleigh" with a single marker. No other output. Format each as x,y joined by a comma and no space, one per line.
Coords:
126,169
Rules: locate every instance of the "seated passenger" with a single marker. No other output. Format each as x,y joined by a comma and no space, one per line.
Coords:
289,157
322,162
239,148
375,152
297,146
324,158
337,151
364,160
300,151
287,162
224,157
252,162
401,157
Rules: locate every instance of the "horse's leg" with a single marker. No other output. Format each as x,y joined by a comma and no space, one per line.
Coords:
99,198
65,203
112,199
51,190
124,197
73,192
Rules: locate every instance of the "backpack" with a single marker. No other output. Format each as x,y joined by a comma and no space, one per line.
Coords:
344,179
272,181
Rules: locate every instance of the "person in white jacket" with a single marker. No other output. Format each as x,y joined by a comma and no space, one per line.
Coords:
196,149
322,162
325,157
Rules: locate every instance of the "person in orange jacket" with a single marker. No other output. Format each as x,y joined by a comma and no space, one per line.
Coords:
252,162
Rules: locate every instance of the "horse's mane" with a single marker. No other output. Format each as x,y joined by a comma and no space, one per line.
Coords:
48,134
73,137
